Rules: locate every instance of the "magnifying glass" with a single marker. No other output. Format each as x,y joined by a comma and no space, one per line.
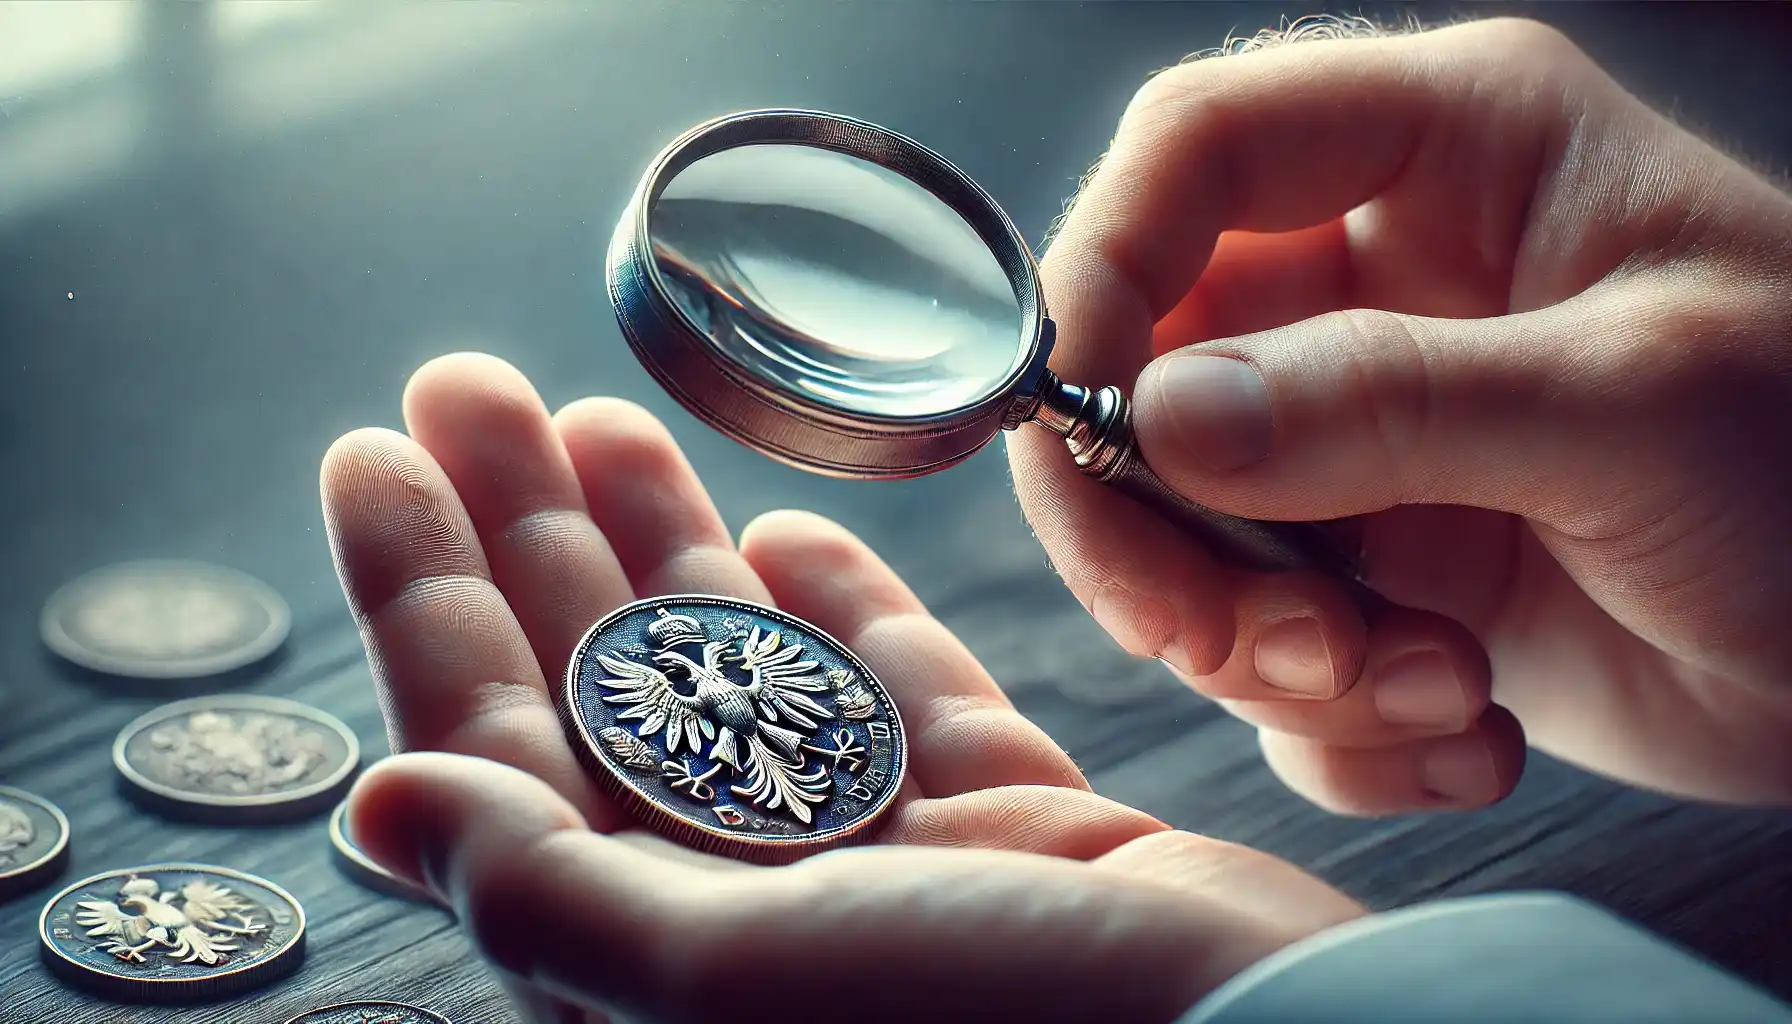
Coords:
843,299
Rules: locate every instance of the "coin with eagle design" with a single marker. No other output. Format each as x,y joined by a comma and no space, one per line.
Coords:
369,1011
172,933
733,727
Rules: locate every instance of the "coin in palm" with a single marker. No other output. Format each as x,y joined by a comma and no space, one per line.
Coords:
733,727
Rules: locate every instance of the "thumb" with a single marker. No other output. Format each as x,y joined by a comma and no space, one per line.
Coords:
1358,411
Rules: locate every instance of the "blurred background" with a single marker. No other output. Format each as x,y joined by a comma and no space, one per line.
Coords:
229,231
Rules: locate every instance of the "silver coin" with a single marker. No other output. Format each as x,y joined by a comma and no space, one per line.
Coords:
734,728
165,619
370,1011
237,755
33,841
357,865
172,932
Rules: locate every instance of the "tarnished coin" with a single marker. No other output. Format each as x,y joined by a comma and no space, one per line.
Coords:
238,756
369,1012
33,841
172,933
357,865
733,727
165,619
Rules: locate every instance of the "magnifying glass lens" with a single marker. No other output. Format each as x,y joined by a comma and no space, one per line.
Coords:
831,277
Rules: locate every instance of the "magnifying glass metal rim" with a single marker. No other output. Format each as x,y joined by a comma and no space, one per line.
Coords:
776,420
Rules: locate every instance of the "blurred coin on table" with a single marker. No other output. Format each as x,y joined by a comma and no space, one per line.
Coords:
165,619
237,757
370,1011
33,841
357,865
172,933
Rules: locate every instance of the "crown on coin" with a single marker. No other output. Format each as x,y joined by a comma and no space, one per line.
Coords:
671,630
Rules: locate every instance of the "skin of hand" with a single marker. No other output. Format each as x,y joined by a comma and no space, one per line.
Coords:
1523,338
476,550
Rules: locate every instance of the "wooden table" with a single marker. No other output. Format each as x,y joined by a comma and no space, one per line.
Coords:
269,217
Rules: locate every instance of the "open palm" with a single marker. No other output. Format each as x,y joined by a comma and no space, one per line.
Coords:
477,550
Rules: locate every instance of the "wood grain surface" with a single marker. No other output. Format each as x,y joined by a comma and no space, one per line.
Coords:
266,224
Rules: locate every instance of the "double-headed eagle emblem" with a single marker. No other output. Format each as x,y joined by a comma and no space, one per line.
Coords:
191,926
691,702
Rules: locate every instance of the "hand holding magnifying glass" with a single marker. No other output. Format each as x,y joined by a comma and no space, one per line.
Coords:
845,300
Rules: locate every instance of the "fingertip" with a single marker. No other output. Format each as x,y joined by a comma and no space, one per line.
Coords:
414,814
782,528
348,455
610,413
387,808
821,571
457,373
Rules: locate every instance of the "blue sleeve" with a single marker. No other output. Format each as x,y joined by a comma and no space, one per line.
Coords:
1508,959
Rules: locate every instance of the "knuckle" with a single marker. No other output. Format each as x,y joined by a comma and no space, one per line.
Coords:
1387,359
1533,51
1163,93
1526,39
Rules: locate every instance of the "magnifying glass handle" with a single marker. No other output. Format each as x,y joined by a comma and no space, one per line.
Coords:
1097,427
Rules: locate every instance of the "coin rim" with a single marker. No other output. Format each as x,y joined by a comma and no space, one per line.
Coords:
710,837
346,848
433,1016
21,875
236,701
292,944
57,638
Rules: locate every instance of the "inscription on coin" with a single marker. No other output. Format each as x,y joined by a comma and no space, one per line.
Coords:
369,1012
238,751
33,841
734,727
172,931
161,619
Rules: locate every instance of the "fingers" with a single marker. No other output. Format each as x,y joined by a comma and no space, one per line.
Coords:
1236,877
1416,674
454,669
1473,768
488,430
963,732
1415,730
646,498
610,926
1276,141
1298,637
1287,140
1049,820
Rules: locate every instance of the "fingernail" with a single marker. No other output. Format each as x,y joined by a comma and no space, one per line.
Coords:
1218,407
1421,688
1460,769
1292,655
